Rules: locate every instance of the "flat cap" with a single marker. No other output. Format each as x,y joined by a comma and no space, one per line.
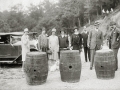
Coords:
53,30
112,23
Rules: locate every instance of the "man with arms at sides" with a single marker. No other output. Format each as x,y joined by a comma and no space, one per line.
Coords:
86,48
63,41
95,42
25,45
115,41
54,48
43,41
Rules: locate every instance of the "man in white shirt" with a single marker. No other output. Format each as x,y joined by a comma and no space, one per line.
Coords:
25,45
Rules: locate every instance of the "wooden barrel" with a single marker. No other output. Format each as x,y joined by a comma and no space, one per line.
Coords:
70,66
105,64
36,68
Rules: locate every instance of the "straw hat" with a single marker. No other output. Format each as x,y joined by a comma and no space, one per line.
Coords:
53,30
112,23
26,30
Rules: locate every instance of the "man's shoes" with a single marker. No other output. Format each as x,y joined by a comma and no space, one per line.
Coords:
90,68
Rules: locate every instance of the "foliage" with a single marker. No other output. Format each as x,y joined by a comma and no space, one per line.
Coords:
62,15
4,27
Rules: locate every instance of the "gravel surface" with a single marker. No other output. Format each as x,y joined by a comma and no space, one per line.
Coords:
12,78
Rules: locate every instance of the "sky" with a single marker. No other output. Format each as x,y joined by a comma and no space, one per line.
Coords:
6,4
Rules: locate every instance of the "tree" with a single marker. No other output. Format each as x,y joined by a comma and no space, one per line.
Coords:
16,21
64,14
36,12
4,27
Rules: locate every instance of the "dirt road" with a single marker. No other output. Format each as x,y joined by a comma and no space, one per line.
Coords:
11,78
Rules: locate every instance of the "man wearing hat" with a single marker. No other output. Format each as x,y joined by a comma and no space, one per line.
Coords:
115,41
43,41
25,45
95,41
54,47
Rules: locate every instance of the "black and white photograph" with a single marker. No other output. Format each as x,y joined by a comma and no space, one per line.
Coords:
59,44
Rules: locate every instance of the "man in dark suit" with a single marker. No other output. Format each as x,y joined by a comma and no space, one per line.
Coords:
63,41
86,49
115,41
95,41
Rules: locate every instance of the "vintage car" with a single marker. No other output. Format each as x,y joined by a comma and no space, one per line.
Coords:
10,46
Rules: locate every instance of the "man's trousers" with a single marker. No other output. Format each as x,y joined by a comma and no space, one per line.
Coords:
87,53
115,50
92,55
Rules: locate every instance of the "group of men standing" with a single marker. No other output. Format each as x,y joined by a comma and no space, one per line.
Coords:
95,42
91,41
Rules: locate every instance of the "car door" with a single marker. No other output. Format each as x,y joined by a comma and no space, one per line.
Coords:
9,51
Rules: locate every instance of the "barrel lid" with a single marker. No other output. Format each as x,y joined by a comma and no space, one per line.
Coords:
70,51
104,50
36,53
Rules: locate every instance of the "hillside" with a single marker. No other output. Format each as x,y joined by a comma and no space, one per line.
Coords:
104,26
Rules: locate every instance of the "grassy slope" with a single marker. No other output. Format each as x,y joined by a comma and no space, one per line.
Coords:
104,27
